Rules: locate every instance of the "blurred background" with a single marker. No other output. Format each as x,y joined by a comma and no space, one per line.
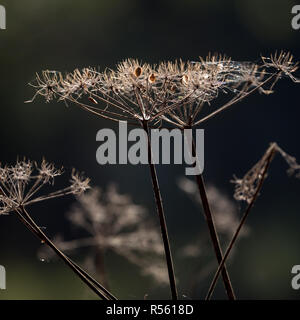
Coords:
63,35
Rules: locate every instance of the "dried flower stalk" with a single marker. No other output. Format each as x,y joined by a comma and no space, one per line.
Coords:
248,189
21,185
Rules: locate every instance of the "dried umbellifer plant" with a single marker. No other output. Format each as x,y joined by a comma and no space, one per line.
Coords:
211,77
173,93
22,185
248,189
135,92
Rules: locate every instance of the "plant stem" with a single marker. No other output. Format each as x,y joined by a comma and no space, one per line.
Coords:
213,235
92,283
162,219
212,229
234,238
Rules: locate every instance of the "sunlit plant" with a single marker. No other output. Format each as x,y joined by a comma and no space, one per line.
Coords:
180,94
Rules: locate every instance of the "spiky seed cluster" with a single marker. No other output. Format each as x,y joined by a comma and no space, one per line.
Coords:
171,91
79,183
47,171
221,74
115,223
283,61
246,187
47,85
21,184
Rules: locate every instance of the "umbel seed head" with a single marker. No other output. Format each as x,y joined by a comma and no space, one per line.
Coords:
22,184
174,92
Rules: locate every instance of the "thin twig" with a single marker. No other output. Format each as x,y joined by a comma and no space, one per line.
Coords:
234,101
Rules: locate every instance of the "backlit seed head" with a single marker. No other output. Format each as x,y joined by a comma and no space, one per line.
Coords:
22,184
137,90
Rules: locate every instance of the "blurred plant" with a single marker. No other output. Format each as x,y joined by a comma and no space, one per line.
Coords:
113,222
224,210
248,189
21,185
226,217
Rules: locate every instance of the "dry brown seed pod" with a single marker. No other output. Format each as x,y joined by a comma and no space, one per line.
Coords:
138,71
152,78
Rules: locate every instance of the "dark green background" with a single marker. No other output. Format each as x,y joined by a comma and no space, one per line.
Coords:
63,35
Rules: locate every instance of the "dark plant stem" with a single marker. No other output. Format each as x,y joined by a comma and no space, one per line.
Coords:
235,236
214,236
162,219
212,229
88,280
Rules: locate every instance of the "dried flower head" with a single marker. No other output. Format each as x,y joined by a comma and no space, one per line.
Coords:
48,171
113,222
79,183
47,85
246,187
134,91
284,62
170,91
207,78
21,184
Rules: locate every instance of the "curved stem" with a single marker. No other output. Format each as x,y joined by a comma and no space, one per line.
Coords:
234,238
162,220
